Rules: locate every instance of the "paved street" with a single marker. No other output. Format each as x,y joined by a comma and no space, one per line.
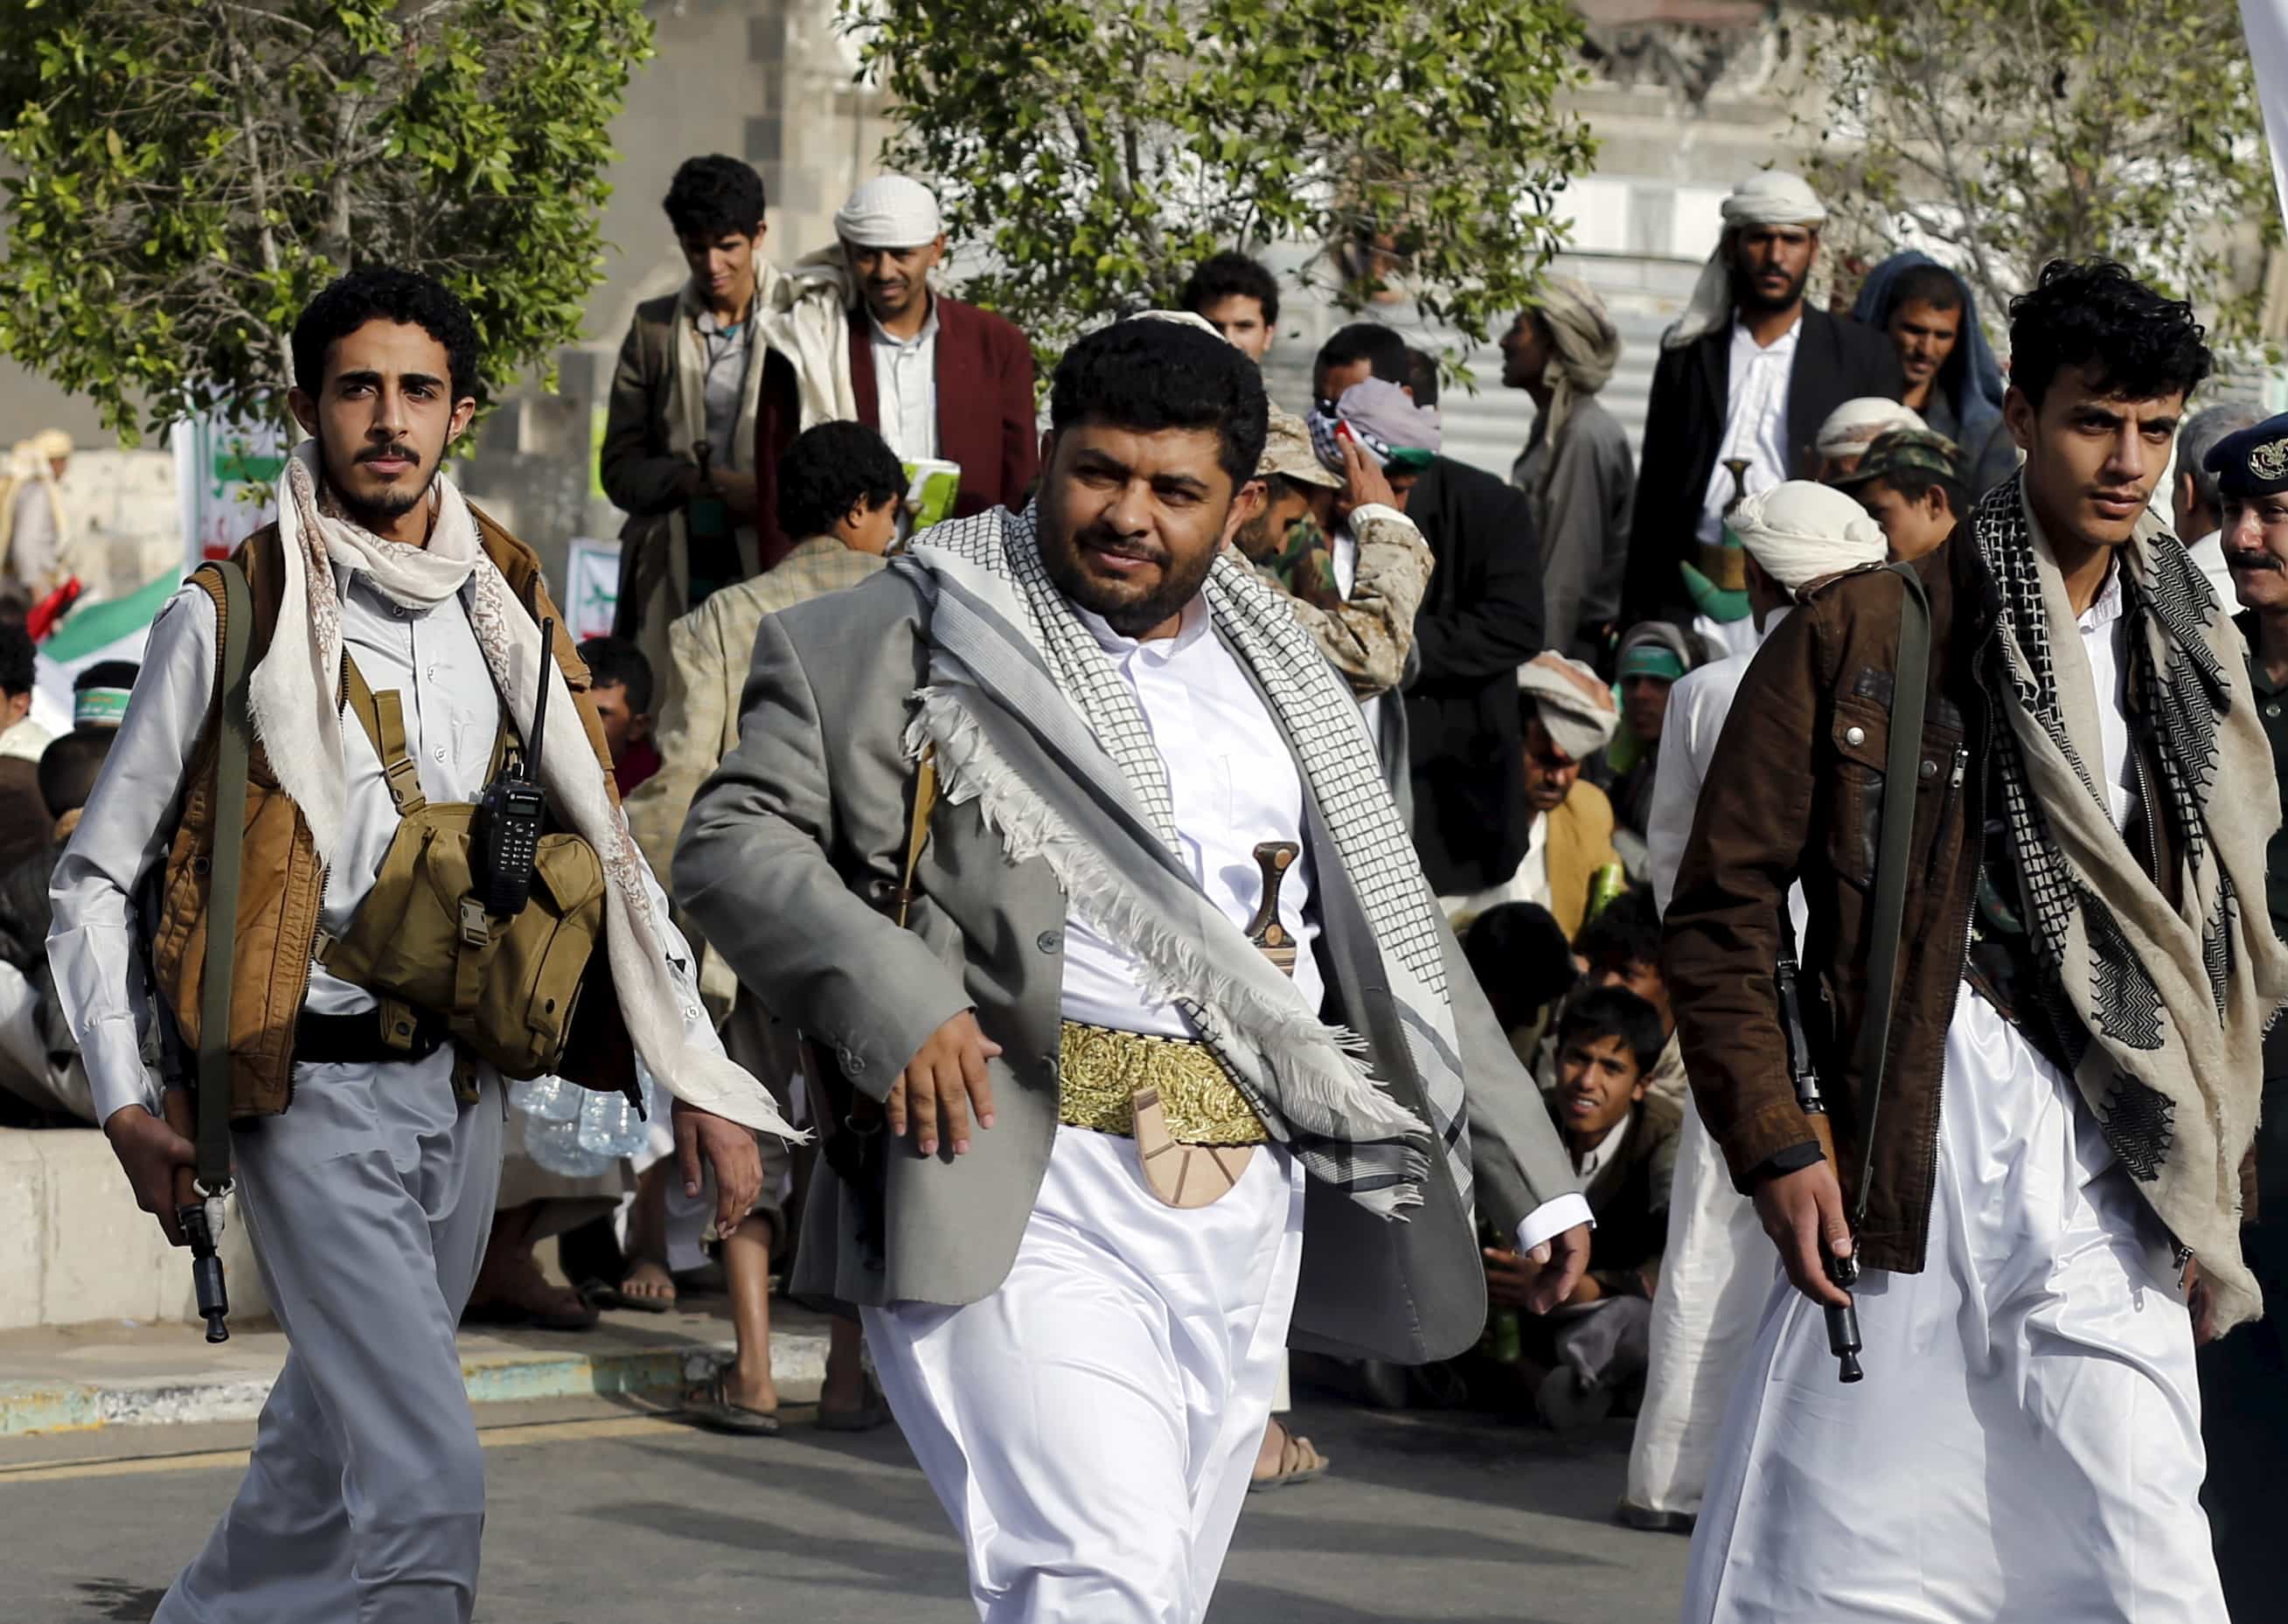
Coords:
634,1517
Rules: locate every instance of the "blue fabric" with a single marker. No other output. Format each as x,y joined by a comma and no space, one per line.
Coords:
1971,377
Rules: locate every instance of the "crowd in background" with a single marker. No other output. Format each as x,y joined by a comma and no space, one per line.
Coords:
1535,657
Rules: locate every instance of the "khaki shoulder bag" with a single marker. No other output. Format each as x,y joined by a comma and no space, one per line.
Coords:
506,986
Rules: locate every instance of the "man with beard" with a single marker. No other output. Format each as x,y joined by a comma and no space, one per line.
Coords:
367,1147
1170,993
2244,1376
2197,495
1576,468
2039,1120
1746,377
1952,379
859,335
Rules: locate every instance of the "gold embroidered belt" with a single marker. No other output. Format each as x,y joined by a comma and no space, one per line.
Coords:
1100,1072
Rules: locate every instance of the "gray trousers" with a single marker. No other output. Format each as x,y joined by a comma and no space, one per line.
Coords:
370,1203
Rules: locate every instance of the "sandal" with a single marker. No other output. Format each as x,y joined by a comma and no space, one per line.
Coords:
1299,1463
873,1413
712,1406
653,1301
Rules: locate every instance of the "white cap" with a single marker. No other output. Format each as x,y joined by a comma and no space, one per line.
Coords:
889,211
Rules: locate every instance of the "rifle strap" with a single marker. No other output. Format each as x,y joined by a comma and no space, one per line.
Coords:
232,728
1910,691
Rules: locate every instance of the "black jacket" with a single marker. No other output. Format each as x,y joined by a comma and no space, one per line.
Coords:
1479,622
1835,360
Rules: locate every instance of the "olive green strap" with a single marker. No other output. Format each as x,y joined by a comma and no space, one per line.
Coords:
1910,690
212,1166
382,716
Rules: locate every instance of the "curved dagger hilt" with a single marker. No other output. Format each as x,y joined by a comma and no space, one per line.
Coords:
1273,939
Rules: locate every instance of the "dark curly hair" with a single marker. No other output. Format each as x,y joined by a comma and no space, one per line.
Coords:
831,469
2096,313
1153,374
714,196
1615,1013
1521,958
1231,275
386,293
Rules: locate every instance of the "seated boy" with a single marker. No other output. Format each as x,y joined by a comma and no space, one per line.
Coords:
1621,947
1622,1142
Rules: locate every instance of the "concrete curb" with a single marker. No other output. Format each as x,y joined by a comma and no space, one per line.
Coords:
27,1407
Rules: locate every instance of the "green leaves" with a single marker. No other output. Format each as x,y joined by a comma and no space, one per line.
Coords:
1097,152
183,175
2015,131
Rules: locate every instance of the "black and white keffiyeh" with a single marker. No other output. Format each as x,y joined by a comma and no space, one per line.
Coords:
1025,709
2162,1008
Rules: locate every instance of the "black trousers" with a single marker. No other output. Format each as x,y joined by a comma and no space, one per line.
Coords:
2245,1386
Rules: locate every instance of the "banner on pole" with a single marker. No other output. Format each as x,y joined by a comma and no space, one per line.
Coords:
592,587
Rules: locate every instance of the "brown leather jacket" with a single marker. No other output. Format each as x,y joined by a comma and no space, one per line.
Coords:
280,878
1797,793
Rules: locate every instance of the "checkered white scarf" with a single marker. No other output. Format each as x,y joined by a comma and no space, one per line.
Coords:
999,624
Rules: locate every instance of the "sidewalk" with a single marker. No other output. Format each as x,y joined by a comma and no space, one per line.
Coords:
123,1373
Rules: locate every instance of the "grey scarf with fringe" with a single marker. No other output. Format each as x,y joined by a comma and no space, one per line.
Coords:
1030,718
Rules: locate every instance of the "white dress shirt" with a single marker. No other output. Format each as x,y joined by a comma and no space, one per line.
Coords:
905,388
2104,635
1588,1165
1755,421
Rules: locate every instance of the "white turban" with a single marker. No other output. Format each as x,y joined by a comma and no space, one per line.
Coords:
1801,533
889,211
1575,704
1856,424
1770,197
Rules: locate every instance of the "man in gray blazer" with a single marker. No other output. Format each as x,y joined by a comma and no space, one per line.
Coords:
1173,1059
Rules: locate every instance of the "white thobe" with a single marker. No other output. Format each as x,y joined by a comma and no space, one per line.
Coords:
1714,1266
2027,1442
1090,1426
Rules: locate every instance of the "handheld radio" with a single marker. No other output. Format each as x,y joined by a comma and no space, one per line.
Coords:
504,831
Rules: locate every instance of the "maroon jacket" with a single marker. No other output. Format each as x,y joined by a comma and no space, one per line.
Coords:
984,412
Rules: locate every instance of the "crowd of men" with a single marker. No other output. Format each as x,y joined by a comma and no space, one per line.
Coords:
1221,875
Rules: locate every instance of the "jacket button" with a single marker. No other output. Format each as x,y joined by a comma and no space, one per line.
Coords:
1050,941
1855,735
1930,769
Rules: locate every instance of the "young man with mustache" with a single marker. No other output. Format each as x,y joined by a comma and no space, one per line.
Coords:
2039,1154
1115,1106
366,1147
1747,374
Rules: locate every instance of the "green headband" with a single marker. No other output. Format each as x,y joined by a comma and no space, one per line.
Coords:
1652,659
98,707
